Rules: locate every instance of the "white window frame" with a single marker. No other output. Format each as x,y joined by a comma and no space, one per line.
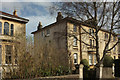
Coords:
94,59
90,59
75,60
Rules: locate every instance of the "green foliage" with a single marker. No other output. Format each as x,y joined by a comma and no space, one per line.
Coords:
84,62
108,61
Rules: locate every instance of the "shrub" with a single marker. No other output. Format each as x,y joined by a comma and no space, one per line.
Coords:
108,61
84,62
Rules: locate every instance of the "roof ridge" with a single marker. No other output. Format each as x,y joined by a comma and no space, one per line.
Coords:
8,14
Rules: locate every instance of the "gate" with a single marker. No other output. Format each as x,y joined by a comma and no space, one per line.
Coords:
117,68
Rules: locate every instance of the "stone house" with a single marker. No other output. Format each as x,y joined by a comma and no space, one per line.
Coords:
69,34
12,32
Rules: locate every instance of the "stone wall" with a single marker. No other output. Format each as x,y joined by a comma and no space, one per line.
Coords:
65,77
107,72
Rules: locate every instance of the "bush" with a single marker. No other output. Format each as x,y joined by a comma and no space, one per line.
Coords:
84,62
108,61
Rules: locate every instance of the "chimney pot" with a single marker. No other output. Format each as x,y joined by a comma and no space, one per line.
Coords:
59,16
15,13
39,26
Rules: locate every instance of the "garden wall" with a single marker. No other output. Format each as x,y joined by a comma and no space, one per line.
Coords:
107,72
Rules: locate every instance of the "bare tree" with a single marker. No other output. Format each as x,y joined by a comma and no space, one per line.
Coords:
99,15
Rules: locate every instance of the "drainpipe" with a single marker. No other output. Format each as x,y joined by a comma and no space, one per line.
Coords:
80,43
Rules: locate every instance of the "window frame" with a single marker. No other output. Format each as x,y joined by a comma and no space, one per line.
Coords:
114,49
74,28
6,28
90,31
93,59
16,56
90,59
12,30
106,36
9,54
90,42
93,32
75,59
48,32
75,41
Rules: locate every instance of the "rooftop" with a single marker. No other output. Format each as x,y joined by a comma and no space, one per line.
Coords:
70,19
13,17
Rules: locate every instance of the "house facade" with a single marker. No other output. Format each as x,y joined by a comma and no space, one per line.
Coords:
12,34
75,38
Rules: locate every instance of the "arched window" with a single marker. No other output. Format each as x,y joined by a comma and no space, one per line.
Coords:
12,29
0,27
6,28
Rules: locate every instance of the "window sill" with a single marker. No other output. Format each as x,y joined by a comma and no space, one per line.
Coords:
75,46
75,63
7,35
9,64
47,35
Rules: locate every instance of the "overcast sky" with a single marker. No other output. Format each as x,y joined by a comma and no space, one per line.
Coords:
34,10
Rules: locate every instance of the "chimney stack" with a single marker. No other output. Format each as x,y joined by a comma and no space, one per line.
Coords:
39,26
59,16
15,12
